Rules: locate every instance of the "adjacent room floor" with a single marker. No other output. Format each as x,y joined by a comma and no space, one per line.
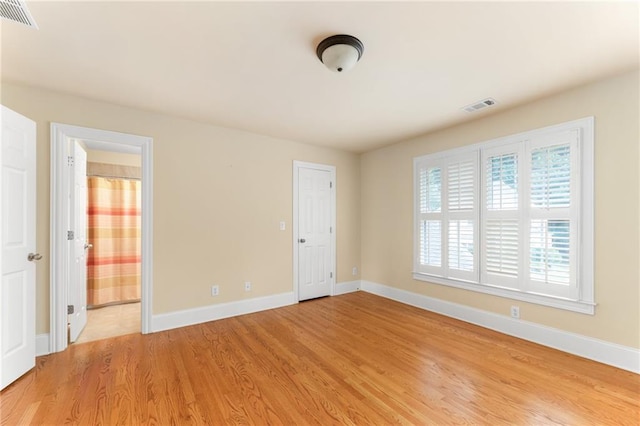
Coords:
111,321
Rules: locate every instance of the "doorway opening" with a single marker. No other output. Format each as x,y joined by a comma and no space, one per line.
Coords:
113,236
70,244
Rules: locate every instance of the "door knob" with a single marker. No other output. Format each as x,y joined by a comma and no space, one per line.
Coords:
88,246
302,240
34,257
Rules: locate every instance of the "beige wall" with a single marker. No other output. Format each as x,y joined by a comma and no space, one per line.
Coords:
118,158
219,195
387,200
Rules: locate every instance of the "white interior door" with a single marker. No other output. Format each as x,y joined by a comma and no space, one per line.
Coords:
79,245
315,273
18,240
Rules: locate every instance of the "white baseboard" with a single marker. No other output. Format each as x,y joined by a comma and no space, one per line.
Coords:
346,287
188,317
623,357
42,344
194,316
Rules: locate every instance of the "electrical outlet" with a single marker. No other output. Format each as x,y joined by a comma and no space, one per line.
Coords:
515,312
354,271
215,290
247,286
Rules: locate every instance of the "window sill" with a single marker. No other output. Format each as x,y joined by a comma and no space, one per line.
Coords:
580,306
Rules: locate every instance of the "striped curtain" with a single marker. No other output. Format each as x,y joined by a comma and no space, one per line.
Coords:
113,265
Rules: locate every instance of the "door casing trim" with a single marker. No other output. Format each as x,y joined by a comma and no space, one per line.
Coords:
297,165
59,248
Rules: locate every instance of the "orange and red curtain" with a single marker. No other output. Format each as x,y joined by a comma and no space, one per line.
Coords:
113,264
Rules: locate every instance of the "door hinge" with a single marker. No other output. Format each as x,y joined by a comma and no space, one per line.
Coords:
330,274
70,309
70,161
71,235
331,229
330,184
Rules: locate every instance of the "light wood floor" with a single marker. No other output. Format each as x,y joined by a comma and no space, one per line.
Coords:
351,359
111,321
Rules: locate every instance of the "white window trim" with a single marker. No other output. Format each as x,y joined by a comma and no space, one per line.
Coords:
584,303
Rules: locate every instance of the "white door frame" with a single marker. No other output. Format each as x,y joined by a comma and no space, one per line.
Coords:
104,140
297,165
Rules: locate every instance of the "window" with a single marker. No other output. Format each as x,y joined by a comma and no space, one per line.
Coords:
511,217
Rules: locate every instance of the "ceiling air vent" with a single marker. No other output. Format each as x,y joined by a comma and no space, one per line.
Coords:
480,105
16,11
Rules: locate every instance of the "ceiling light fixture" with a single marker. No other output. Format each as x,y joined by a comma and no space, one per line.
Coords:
340,52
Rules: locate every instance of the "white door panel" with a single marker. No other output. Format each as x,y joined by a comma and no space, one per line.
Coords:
78,268
314,233
18,240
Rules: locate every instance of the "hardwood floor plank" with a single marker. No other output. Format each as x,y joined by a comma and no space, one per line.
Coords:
356,359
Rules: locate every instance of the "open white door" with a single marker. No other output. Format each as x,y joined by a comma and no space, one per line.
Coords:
18,241
79,245
314,232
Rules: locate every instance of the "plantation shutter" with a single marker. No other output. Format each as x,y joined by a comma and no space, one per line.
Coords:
502,246
429,223
511,217
501,230
461,216
553,211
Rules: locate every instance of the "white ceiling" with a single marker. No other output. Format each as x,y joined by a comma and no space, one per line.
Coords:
252,65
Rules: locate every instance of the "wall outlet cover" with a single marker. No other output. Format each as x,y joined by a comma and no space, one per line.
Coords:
515,312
